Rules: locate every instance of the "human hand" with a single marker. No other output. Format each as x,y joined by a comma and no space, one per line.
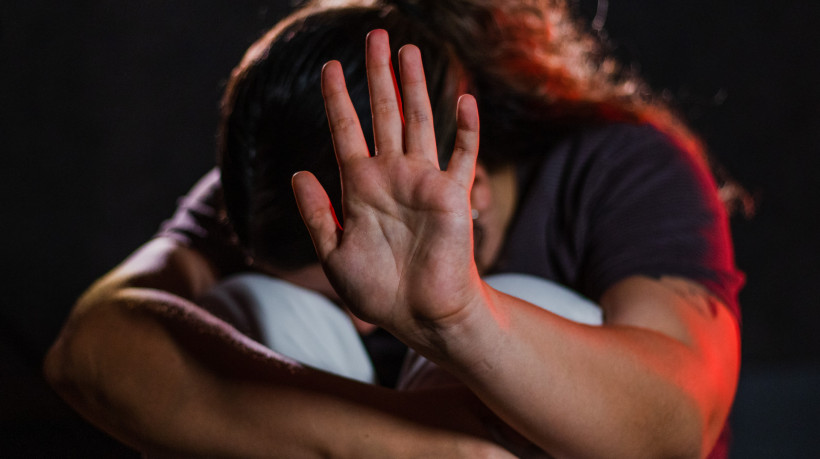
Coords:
404,259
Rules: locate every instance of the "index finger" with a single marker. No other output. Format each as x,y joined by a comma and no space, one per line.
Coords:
345,128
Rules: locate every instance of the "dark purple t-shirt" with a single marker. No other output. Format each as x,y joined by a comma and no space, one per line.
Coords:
619,200
613,201
600,205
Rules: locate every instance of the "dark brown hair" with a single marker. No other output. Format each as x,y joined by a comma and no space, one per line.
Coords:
531,65
273,120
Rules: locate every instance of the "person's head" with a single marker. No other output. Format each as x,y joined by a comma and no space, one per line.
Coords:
274,122
534,71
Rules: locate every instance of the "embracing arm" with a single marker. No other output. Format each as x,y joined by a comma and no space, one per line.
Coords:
142,362
657,380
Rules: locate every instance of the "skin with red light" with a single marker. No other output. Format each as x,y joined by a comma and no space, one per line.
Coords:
656,380
141,361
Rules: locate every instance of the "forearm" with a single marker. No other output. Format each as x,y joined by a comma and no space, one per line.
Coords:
578,391
139,379
159,374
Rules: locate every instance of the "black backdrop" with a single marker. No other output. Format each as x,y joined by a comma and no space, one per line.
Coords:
107,114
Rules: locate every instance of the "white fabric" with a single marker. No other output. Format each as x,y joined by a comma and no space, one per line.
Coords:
548,295
293,321
309,328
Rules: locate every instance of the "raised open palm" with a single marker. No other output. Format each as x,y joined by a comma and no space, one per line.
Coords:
405,255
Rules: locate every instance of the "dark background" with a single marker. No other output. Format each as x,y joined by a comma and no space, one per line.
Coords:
107,114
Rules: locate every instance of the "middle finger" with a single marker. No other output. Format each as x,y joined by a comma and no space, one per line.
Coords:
385,104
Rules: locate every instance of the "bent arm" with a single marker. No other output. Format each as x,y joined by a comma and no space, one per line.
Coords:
142,362
656,380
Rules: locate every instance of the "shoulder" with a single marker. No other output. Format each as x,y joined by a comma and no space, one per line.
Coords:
625,151
614,165
632,146
643,205
609,136
618,166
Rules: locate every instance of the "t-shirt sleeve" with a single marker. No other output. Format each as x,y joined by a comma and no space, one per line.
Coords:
650,208
200,223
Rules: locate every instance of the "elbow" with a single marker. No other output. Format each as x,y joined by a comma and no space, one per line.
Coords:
81,365
54,368
689,431
68,372
70,364
689,442
673,424
700,416
688,420
82,368
670,439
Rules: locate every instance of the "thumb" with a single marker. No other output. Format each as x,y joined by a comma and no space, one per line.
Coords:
317,213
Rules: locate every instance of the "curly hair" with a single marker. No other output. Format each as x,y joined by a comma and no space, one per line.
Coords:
532,66
273,122
533,63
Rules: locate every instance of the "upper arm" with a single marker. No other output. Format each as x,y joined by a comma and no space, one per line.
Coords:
649,208
707,332
660,259
150,367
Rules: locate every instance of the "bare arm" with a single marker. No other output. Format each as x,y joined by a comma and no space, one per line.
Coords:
143,363
656,380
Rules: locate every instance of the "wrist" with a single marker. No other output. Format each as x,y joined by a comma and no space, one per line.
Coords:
461,341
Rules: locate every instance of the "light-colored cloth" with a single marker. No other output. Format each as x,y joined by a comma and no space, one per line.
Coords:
293,321
309,328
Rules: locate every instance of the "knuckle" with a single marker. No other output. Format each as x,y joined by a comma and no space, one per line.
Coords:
464,146
384,106
460,150
417,117
315,219
343,123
